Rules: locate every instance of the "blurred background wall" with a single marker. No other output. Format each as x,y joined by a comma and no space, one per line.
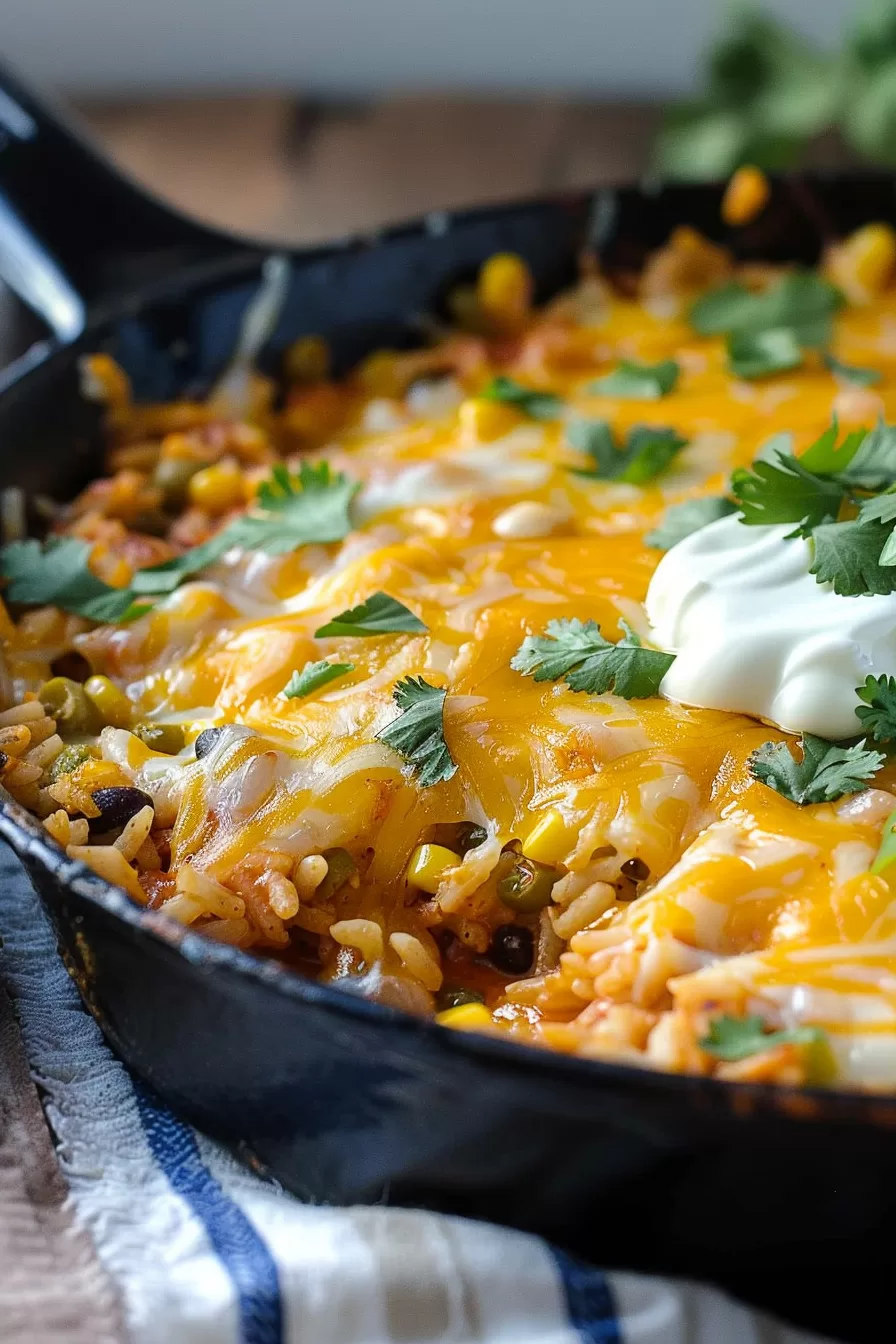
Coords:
610,48
302,119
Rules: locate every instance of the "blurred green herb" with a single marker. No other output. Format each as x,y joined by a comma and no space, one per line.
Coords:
768,93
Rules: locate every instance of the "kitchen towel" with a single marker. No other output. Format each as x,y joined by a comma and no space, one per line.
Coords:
120,1224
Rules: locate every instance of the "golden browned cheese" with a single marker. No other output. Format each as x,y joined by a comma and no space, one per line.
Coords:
470,514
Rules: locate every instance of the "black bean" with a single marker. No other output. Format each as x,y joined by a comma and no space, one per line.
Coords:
117,806
206,740
512,948
636,869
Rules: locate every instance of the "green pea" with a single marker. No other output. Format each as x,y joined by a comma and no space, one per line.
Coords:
172,476
454,996
528,886
66,701
340,868
70,758
166,737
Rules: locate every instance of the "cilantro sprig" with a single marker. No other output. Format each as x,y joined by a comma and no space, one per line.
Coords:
825,773
58,574
290,510
638,382
538,405
783,491
418,733
312,677
681,520
577,652
379,614
877,712
647,451
733,1038
801,302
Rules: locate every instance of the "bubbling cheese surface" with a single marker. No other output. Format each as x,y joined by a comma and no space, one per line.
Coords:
754,632
751,903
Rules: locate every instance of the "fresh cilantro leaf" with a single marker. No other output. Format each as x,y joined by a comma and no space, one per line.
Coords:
758,354
733,1038
58,575
538,405
638,382
577,651
825,773
418,733
877,713
312,677
852,373
779,445
827,457
879,508
289,511
380,614
850,557
801,301
873,465
646,452
785,492
681,520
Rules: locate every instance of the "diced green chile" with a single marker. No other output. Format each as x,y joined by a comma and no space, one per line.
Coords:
460,836
165,737
69,759
528,886
454,996
340,867
66,701
172,476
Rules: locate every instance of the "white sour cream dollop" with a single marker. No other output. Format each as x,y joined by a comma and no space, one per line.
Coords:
754,632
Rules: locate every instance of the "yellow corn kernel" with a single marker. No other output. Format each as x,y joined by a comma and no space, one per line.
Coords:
482,421
504,289
548,840
428,863
864,263
114,706
466,1017
745,196
216,489
307,360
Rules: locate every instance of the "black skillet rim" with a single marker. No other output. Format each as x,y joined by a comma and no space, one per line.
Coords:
29,840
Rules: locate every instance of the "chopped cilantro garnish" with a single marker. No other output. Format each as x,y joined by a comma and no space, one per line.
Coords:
851,557
829,455
312,677
873,464
886,854
681,520
58,574
785,492
877,713
538,405
757,354
825,773
801,301
647,451
638,382
379,614
733,1038
289,511
418,733
577,651
852,373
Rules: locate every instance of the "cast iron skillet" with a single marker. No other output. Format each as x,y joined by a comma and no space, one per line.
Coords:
770,1191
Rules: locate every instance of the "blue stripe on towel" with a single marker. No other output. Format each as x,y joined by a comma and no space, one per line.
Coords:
241,1250
589,1302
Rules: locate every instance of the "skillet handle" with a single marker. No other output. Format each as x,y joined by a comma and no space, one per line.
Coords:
73,231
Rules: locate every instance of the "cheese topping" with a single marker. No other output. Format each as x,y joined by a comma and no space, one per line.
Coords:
755,632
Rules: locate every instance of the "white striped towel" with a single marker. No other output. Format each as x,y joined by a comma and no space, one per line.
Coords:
155,1235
